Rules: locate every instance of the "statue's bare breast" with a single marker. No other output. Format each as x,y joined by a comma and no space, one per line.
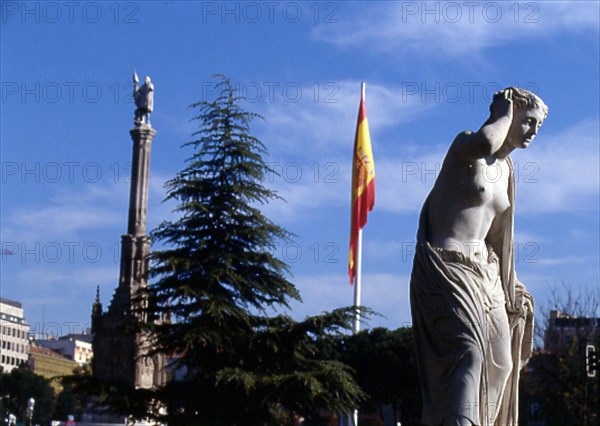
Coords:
464,202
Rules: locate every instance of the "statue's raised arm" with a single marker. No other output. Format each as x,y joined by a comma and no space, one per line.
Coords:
493,132
136,81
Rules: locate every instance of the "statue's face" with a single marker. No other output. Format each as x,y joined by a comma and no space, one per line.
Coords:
147,80
524,127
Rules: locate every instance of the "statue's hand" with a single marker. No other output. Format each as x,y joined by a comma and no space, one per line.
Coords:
524,301
526,306
520,102
502,104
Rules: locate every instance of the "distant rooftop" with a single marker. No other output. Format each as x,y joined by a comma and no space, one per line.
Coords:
77,336
562,320
11,303
47,352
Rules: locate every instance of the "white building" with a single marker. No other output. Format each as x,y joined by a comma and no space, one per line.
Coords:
77,347
14,333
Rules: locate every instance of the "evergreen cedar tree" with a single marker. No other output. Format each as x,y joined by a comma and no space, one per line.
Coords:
214,280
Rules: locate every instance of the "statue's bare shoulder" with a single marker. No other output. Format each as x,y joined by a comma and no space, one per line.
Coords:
469,146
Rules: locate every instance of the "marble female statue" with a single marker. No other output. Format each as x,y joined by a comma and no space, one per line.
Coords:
473,320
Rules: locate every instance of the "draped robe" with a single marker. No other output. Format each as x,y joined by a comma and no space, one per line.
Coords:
457,303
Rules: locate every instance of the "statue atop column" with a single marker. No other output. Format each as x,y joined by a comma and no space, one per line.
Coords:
472,318
144,100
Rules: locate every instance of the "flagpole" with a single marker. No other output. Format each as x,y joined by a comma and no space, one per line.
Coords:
357,288
358,282
358,277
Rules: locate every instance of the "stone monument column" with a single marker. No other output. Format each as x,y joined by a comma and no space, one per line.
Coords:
120,355
135,249
140,170
135,245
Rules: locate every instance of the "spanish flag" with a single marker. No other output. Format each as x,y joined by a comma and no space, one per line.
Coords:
363,182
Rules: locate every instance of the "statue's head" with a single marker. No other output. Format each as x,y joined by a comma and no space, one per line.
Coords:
529,113
147,80
527,100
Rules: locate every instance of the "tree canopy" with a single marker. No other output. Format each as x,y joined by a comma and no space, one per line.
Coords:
21,384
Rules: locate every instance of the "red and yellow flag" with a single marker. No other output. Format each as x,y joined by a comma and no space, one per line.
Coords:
363,183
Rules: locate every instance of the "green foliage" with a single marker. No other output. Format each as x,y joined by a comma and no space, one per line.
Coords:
21,384
67,403
215,278
71,400
386,369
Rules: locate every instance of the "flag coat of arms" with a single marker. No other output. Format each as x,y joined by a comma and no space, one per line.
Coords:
363,183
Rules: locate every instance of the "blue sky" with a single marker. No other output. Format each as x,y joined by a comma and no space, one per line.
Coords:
430,70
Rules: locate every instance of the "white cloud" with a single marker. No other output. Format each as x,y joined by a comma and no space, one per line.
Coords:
386,249
311,129
76,277
403,183
582,235
307,187
453,29
69,212
65,219
567,260
59,286
72,212
522,237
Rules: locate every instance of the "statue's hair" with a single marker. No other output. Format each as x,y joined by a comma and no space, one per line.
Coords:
528,99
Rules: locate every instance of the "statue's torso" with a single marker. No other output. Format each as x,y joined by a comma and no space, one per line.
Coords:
466,199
